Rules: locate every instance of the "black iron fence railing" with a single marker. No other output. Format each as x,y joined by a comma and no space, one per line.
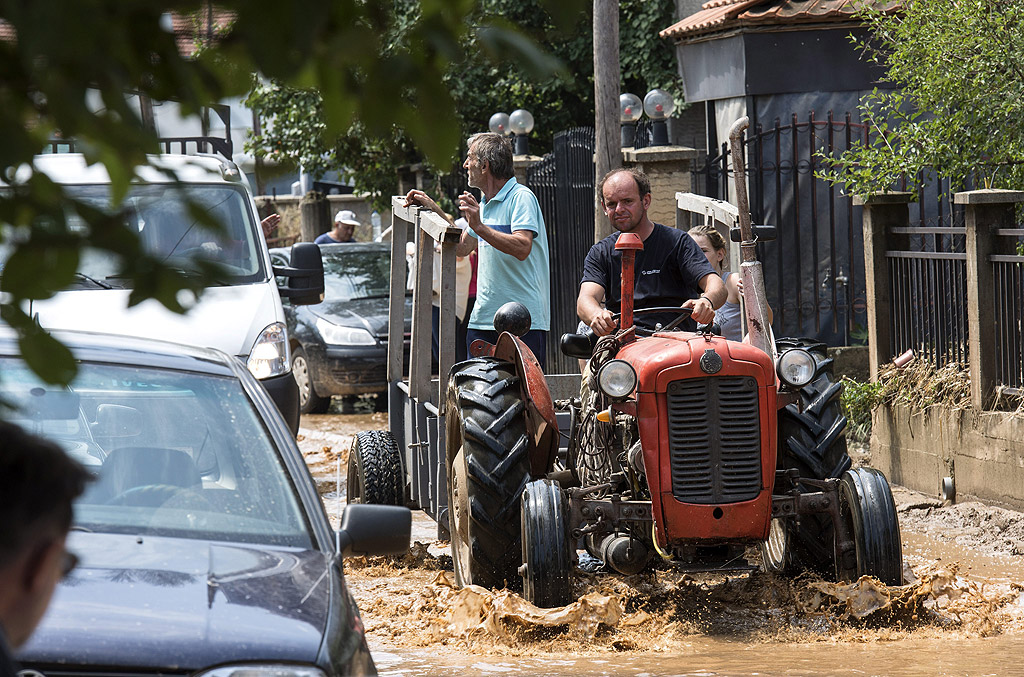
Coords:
949,294
929,310
1008,299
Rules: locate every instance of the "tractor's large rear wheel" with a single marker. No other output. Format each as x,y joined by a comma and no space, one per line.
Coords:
547,559
812,440
489,467
867,506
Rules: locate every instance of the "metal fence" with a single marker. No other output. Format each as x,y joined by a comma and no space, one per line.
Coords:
928,313
954,294
564,184
1008,293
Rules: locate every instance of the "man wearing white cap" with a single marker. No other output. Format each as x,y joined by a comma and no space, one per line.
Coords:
345,223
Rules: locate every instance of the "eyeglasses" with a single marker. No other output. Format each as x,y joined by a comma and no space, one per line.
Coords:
68,563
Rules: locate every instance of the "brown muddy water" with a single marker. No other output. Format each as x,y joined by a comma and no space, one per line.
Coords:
963,614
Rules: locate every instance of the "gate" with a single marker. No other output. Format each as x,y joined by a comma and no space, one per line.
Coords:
814,270
564,184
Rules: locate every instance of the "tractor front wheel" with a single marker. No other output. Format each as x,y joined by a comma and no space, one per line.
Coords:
489,468
775,549
867,506
547,562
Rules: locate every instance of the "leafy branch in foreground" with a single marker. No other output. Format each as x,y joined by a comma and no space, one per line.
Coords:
81,69
958,71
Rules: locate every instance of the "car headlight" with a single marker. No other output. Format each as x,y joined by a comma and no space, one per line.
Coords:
263,671
343,336
269,355
795,367
616,379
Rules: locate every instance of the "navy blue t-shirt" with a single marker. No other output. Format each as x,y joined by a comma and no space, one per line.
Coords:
668,270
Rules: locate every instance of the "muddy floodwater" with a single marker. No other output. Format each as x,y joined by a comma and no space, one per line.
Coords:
962,613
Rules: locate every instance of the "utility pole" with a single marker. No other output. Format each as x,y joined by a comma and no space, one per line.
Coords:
607,150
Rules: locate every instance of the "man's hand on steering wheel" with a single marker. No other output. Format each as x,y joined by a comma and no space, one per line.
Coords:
604,322
701,309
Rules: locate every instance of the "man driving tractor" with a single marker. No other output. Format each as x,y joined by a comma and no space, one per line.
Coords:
671,270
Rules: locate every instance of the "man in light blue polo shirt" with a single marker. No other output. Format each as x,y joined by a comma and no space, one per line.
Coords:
508,230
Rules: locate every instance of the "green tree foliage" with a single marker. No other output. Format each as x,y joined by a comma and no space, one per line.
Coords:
559,92
67,67
958,69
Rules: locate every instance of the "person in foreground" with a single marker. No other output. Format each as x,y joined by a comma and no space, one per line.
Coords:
508,231
38,483
671,270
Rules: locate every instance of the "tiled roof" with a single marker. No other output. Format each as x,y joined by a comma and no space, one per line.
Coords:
719,15
190,28
187,29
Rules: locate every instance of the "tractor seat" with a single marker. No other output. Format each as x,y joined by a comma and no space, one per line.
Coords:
580,345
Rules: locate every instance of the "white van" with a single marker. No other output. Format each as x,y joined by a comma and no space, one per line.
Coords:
241,316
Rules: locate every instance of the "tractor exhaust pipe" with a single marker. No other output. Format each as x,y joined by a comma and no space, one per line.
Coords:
629,244
754,300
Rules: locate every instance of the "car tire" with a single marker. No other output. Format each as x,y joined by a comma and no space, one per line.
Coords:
375,469
488,470
309,401
812,440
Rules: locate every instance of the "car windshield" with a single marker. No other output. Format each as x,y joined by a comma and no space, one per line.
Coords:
174,453
175,224
356,274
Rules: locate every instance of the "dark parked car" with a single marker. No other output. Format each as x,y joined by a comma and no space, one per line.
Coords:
340,346
204,546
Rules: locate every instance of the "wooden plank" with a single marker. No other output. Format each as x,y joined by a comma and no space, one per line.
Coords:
723,212
446,337
396,304
420,355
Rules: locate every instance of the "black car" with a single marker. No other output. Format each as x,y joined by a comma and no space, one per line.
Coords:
340,346
204,546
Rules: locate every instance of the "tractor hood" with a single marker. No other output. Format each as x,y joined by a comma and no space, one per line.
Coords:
670,356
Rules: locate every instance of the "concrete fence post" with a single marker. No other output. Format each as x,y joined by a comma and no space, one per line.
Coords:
882,212
316,216
985,212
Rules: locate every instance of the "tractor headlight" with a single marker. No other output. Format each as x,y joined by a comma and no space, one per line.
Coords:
616,379
795,367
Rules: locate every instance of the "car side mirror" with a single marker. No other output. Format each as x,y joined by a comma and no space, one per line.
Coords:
765,233
305,275
374,530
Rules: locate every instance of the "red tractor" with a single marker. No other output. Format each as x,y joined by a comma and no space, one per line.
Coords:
682,446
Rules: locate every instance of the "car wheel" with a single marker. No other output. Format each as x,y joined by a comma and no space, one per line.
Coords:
309,401
489,468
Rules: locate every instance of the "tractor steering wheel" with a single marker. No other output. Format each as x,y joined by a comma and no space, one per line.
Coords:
683,314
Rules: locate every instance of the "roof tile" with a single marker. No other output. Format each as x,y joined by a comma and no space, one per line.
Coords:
718,15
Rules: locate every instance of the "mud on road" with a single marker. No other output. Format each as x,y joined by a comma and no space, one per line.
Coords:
965,564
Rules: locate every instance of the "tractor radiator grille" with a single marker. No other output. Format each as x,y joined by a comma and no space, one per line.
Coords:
714,430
